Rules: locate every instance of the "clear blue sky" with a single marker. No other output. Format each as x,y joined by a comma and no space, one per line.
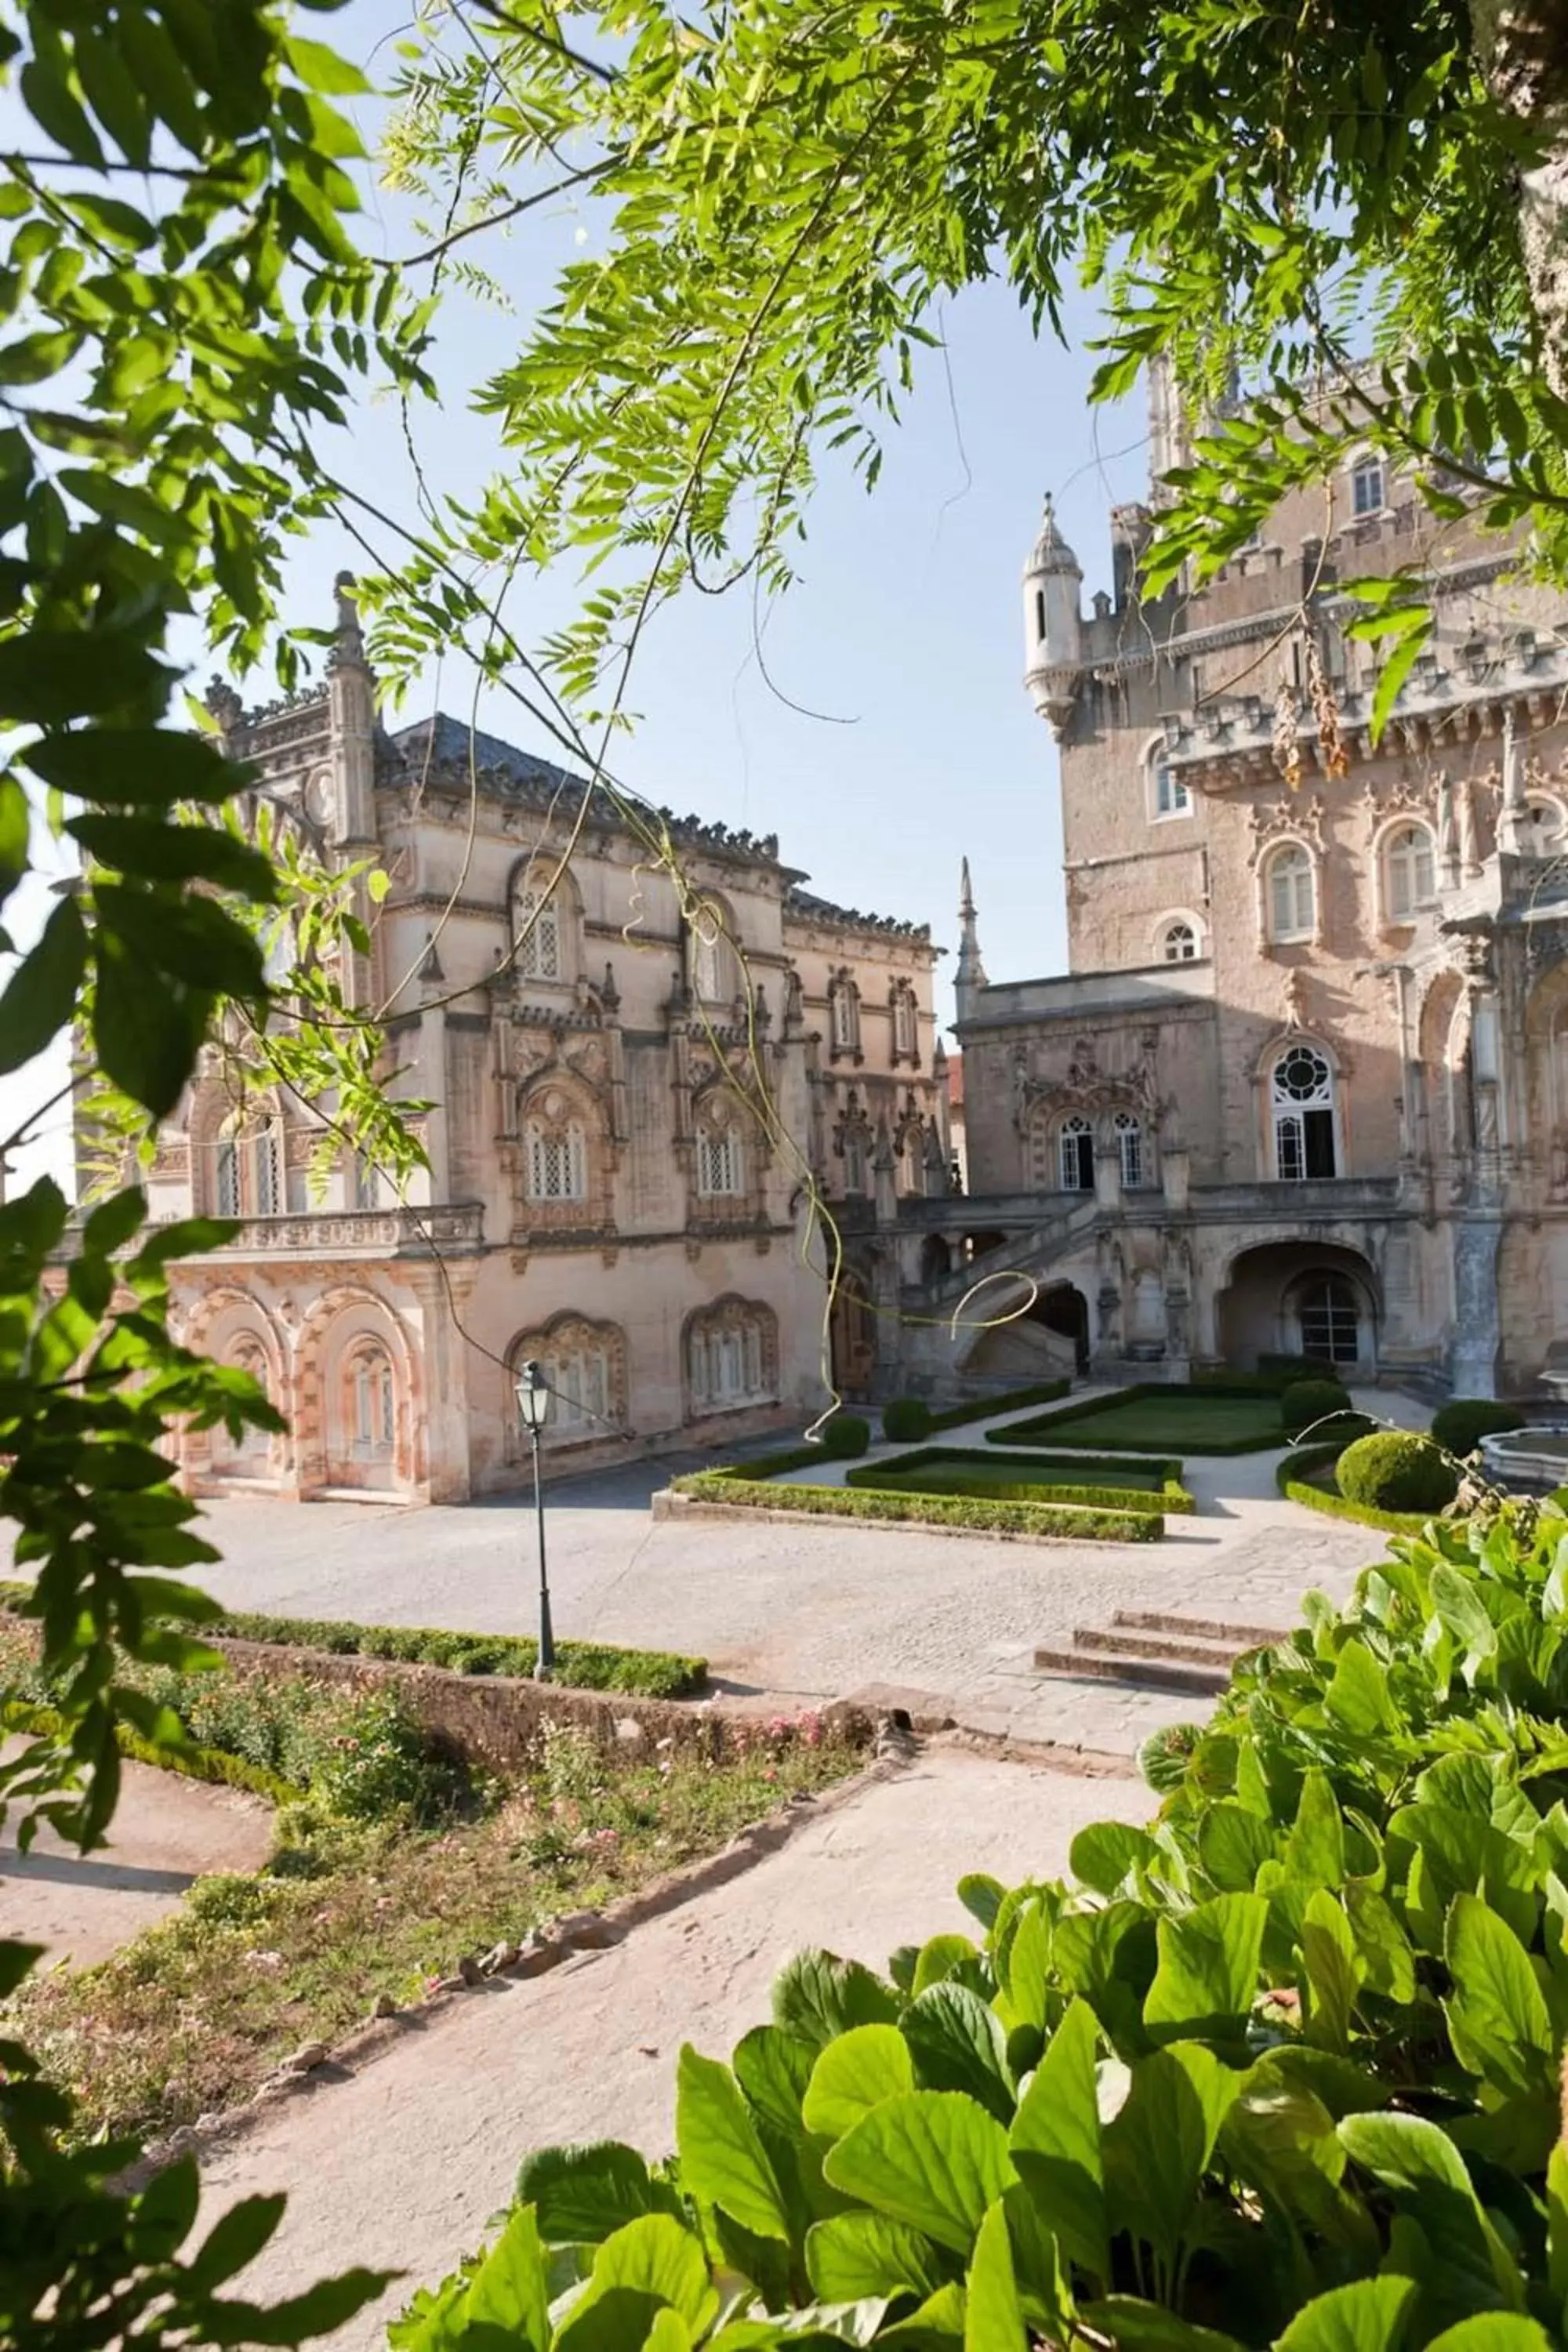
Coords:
907,620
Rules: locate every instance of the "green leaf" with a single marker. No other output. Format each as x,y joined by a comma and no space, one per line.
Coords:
1133,2325
983,1896
205,853
581,2194
1393,675
939,1957
722,2159
1207,1976
1333,1969
147,1030
122,765
958,2043
40,995
322,68
992,2317
1455,1602
852,2255
235,2238
1233,1846
1492,2331
817,1996
934,2159
1419,2165
1158,2144
773,2068
16,1963
1497,2020
1358,1695
1055,2142
327,2305
1107,1854
1315,1849
509,2290
15,833
658,2255
47,676
853,2075
1369,2315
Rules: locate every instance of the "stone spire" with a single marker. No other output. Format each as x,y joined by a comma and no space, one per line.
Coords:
1513,817
971,972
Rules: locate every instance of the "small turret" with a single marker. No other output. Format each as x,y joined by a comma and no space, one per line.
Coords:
1052,625
970,973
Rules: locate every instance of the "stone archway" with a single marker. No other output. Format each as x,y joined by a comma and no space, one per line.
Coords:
1301,1298
233,1327
852,1333
359,1426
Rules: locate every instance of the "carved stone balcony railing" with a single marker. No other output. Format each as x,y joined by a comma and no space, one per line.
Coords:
453,1226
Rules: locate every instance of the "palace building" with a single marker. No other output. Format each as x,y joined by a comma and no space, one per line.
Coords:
1304,1086
646,1069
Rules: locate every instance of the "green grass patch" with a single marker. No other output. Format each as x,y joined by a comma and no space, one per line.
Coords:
215,1765
1053,1520
954,1416
1153,1418
1085,1481
1307,1476
191,2017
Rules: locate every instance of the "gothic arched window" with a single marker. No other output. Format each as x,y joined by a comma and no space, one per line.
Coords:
712,964
1409,872
906,1023
1291,888
247,1170
538,945
1075,1155
1129,1134
731,1356
1301,1106
842,1014
556,1160
721,1151
370,1398
585,1368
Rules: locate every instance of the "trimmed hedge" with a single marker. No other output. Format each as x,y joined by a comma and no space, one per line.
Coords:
1300,1368
1459,1425
1305,1401
1396,1470
767,1466
1044,1425
214,1765
579,1665
847,1434
1291,1477
1108,1494
930,1510
1010,1400
906,1420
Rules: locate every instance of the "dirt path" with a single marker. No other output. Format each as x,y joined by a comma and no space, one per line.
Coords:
167,1830
407,2161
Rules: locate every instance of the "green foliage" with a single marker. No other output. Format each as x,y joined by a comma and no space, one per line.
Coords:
579,1665
215,1765
1041,1520
906,1419
1029,1478
1289,1369
1298,1478
1459,1425
845,1434
1305,1402
1156,1417
384,1763
1281,2069
954,1416
1397,1470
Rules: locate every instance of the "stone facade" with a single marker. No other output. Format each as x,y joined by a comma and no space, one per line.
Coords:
1305,1086
651,1059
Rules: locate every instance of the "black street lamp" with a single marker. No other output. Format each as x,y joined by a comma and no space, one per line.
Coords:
532,1394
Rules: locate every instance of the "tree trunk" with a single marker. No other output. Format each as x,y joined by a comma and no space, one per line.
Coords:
1523,46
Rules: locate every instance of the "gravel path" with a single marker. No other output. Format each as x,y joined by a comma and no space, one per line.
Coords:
167,1830
404,2163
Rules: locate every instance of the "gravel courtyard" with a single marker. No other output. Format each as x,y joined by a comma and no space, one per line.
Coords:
804,1611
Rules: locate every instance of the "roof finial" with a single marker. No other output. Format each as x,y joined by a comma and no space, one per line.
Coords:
348,638
970,973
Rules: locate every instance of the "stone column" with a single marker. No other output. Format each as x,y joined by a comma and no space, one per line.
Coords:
1478,1323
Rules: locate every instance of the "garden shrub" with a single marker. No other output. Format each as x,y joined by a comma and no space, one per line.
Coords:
930,1510
1300,1368
1305,1401
1397,1470
579,1665
954,1416
1459,1425
382,1763
1090,1481
906,1420
847,1434
1296,1479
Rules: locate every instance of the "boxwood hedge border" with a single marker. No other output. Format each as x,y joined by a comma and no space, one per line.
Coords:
1091,1493
1025,1433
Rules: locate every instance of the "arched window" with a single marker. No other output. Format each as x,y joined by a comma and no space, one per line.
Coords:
1075,1155
1168,791
842,1014
905,1024
1327,1313
247,1171
247,1453
225,1181
556,1159
583,1365
731,1356
713,971
371,1400
1301,1103
1178,943
1292,893
1129,1149
1409,872
720,1155
1367,487
856,1145
1546,827
267,1171
537,940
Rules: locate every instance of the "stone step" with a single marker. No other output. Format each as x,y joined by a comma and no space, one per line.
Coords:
1232,1637
1144,1673
1118,1642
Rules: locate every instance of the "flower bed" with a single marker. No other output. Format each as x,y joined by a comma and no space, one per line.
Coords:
1084,1480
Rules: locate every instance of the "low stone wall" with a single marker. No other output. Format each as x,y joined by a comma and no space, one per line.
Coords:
494,1720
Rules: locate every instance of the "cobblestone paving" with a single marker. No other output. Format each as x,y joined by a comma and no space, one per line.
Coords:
805,1611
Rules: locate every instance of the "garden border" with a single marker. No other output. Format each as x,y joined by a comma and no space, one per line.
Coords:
720,1493
1081,1492
1296,1489
1037,1429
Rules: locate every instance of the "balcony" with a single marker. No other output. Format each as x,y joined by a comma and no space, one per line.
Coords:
362,1233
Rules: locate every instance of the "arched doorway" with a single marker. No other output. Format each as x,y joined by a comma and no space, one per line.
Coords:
1301,1298
852,1336
1064,1308
936,1258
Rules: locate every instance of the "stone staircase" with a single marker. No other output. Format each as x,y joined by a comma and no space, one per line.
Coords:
1152,1649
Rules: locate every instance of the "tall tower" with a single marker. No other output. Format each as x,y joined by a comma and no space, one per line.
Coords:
1052,625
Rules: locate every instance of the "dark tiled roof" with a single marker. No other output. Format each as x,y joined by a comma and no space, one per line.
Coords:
824,910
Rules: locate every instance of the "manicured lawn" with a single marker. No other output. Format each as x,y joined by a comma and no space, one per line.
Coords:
1023,1480
1166,1420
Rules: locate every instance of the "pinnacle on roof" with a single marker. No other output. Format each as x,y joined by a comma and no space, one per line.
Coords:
1050,551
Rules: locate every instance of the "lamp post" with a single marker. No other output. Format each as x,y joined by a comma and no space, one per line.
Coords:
532,1394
